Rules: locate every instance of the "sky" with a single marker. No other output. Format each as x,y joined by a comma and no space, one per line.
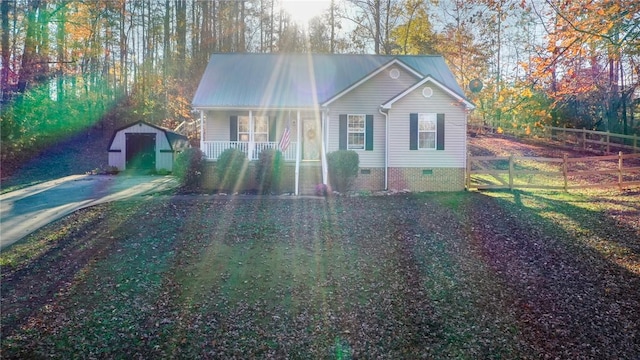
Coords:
303,10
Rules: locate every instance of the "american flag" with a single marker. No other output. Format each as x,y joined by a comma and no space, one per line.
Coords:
285,139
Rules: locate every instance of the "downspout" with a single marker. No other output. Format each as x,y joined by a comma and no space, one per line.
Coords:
298,143
386,148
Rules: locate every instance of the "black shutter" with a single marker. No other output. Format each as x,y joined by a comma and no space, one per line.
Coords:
272,129
233,128
343,132
368,130
440,132
413,131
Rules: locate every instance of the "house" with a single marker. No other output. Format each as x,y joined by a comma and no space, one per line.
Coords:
405,116
145,147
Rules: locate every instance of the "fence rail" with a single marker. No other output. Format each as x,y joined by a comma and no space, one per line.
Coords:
588,140
213,149
524,172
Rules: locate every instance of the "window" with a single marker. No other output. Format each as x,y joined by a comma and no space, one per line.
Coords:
427,127
260,128
355,132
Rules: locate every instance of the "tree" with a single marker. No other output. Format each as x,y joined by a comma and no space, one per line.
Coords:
415,35
592,47
374,21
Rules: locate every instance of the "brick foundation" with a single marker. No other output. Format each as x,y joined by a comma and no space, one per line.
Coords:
371,179
426,179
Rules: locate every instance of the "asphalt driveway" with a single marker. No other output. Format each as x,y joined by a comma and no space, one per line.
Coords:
26,210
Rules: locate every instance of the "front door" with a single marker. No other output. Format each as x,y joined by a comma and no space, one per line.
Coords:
140,151
311,139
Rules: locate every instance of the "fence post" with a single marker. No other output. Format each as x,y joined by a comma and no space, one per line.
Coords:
564,171
510,172
608,143
584,139
620,170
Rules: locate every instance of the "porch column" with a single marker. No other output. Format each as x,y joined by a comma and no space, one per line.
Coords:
324,143
298,143
251,141
202,130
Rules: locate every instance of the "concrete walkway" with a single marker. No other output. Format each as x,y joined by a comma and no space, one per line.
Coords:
26,210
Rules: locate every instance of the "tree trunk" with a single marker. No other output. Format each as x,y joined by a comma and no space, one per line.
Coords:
61,47
181,35
6,52
28,55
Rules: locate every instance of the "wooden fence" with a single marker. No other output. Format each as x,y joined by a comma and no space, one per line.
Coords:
588,140
521,172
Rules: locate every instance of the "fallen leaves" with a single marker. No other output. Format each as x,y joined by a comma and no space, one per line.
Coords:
421,276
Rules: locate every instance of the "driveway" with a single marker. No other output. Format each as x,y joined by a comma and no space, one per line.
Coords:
26,210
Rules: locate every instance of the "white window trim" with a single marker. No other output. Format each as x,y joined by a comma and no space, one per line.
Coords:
434,116
252,127
363,132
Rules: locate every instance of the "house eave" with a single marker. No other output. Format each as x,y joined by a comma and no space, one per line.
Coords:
256,107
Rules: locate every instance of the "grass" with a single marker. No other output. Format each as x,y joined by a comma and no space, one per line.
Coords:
451,275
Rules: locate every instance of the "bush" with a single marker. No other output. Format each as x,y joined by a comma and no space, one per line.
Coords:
343,168
230,168
269,171
188,168
322,190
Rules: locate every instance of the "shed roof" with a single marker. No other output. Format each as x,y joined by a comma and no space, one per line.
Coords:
300,80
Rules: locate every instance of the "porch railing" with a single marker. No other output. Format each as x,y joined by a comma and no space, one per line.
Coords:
213,149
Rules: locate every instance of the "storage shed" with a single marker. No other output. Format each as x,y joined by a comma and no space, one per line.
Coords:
146,147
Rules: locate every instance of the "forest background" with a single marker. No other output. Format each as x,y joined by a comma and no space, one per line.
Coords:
73,65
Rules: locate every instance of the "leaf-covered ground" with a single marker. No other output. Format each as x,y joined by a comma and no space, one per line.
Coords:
462,275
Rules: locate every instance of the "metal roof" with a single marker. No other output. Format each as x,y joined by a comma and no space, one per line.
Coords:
176,141
242,80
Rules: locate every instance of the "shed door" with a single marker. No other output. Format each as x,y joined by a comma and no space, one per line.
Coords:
140,151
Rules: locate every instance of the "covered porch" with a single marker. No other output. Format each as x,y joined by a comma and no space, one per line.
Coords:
300,134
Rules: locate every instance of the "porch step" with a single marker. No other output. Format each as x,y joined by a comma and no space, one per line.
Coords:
310,176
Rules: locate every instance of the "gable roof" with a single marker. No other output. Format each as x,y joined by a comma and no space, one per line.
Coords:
176,141
234,80
369,76
469,105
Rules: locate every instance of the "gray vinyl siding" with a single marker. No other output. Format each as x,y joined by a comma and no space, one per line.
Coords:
164,160
366,99
454,154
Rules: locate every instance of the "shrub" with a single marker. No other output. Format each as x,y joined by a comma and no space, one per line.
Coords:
322,190
230,168
188,168
163,172
343,168
269,171
112,170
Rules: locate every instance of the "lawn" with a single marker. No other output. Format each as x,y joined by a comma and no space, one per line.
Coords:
448,275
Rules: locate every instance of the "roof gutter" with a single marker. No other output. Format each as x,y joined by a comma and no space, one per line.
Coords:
386,147
253,108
